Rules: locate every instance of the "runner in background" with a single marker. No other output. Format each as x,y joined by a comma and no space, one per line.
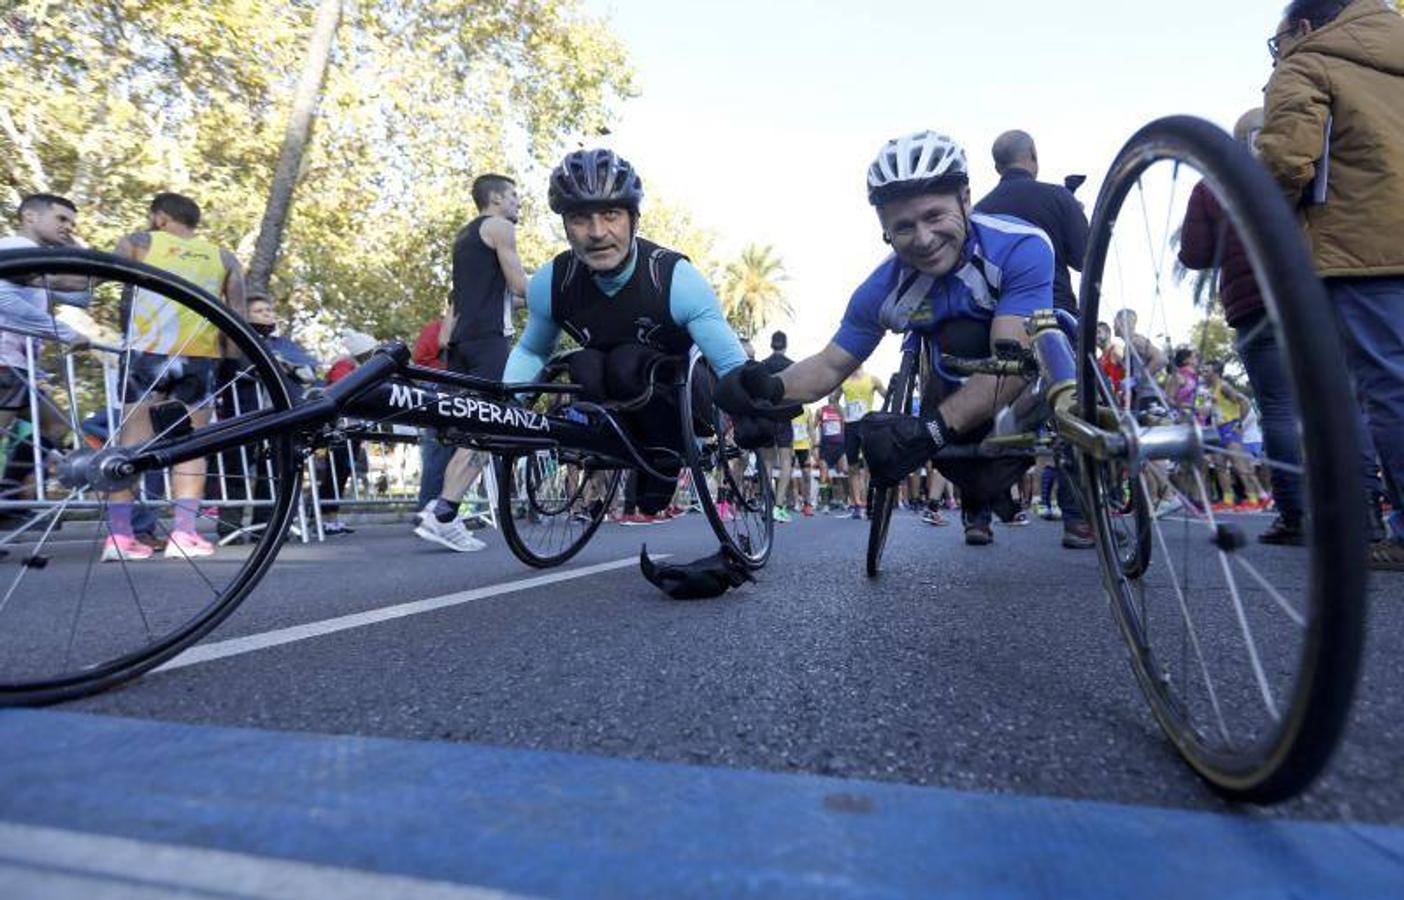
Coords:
833,466
802,441
860,392
779,460
168,377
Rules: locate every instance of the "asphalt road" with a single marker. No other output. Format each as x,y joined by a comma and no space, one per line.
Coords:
994,669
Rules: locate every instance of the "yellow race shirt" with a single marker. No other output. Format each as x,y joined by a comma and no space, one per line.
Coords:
161,325
799,427
1226,408
859,394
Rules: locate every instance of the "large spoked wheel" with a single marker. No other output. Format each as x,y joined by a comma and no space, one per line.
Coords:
732,484
882,500
85,600
1246,649
550,503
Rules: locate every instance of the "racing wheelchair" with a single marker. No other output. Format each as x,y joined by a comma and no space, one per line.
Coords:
78,616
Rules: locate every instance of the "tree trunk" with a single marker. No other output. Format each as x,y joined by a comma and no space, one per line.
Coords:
24,145
309,90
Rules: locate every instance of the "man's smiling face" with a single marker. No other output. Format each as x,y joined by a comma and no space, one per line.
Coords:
928,231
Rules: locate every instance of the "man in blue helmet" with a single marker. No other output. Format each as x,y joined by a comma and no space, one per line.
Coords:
625,300
962,282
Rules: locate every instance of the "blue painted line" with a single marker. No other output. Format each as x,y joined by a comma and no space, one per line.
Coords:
562,825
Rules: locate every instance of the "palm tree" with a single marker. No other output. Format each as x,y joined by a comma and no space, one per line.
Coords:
752,296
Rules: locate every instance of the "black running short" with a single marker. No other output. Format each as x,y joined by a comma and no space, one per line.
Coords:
484,357
148,376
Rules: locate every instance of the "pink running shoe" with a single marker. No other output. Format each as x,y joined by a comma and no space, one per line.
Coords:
187,545
119,548
724,511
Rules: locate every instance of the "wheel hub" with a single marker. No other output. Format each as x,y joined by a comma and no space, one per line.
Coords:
106,470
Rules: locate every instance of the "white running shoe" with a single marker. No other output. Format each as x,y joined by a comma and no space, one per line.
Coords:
453,535
124,549
187,545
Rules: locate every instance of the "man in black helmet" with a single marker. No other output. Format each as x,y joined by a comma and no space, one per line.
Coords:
625,300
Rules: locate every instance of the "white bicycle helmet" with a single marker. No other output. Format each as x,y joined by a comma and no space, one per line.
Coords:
915,164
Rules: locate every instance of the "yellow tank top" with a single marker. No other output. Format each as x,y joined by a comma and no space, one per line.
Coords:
160,325
1226,409
799,431
858,394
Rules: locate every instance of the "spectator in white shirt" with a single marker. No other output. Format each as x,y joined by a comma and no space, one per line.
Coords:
45,220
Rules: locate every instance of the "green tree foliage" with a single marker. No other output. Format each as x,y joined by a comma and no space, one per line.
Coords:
752,292
110,102
1212,338
670,225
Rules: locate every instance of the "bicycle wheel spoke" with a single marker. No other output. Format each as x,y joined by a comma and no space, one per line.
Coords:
130,409
1249,458
207,403
24,569
95,549
1292,612
1249,642
1192,635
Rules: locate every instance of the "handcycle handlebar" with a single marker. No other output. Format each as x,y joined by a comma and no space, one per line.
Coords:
991,365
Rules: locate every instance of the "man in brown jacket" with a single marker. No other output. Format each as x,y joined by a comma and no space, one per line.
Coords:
1338,87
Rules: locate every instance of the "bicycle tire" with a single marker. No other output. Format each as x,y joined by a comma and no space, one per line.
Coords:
1283,762
518,541
752,533
882,501
100,674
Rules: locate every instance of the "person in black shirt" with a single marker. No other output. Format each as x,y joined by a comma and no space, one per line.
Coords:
1051,207
781,457
488,283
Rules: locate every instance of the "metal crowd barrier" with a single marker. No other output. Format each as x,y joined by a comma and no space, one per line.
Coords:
392,452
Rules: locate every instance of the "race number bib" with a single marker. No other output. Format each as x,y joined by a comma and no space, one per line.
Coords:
799,431
853,410
831,428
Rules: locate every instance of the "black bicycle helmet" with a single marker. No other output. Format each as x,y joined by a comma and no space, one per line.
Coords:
594,179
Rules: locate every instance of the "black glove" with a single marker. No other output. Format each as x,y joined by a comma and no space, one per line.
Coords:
743,386
896,445
700,579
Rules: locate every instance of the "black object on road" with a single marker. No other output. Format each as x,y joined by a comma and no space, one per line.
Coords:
701,579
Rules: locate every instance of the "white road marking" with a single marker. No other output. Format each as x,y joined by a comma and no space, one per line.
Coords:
50,862
235,646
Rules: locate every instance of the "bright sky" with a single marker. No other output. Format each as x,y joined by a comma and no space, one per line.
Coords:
761,117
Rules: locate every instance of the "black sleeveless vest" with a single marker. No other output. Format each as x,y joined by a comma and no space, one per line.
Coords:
638,314
480,298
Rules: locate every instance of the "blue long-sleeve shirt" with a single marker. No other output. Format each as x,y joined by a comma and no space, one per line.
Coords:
692,303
